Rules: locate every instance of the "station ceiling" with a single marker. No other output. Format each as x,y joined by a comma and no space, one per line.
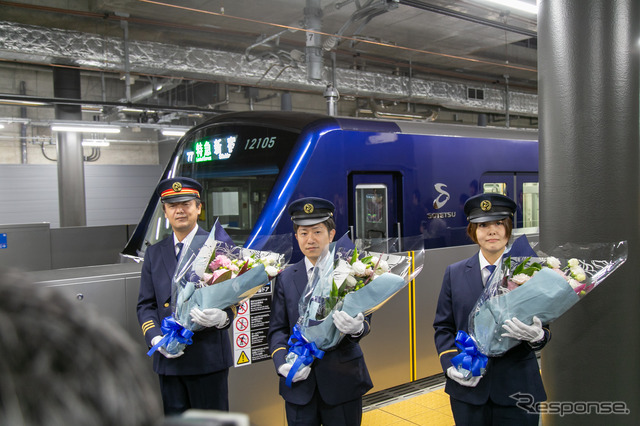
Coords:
464,40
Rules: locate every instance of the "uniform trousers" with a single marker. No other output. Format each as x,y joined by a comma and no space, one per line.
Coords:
491,414
317,413
201,391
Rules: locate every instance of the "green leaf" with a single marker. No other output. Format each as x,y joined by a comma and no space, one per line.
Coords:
521,266
334,290
354,256
366,259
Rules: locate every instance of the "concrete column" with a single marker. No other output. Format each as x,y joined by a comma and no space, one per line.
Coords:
71,197
590,192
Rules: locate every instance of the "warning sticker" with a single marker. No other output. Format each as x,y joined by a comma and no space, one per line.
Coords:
250,329
242,359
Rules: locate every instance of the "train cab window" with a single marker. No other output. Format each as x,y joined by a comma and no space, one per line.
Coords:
530,204
371,211
495,187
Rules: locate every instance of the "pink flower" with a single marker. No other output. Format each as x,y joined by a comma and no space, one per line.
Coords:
220,261
511,285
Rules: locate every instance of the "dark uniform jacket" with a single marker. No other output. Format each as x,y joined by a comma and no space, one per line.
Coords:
211,349
515,371
341,375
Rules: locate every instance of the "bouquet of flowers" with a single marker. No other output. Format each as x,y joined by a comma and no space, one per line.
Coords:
349,280
218,275
528,284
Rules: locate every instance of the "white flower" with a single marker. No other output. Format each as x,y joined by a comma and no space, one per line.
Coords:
553,262
351,281
573,262
578,273
383,267
272,271
520,278
358,268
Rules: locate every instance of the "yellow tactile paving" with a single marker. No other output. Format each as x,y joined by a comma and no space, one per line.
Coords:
433,400
380,418
404,409
431,408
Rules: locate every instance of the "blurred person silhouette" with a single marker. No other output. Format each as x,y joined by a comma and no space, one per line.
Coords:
63,364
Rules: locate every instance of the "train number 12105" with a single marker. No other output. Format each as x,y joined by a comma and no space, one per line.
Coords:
260,143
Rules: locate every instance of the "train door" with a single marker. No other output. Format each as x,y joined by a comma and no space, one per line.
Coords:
520,187
374,200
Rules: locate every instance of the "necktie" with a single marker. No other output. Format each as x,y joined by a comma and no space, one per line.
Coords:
179,245
489,268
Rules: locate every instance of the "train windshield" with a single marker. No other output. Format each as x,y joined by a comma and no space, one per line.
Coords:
237,166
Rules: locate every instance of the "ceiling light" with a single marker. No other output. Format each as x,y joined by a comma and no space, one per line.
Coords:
1,126
84,129
173,132
21,103
520,5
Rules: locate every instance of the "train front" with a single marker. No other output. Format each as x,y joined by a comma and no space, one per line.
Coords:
237,158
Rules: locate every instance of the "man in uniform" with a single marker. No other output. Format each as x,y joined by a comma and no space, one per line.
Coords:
196,377
329,391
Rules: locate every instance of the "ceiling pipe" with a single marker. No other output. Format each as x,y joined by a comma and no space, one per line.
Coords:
365,13
65,101
467,17
313,50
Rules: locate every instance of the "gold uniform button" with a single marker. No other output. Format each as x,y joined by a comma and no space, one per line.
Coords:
166,305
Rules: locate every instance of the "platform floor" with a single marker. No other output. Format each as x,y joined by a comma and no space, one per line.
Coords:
420,403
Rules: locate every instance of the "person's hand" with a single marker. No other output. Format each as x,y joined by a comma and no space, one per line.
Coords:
302,373
346,324
162,350
458,377
211,317
519,330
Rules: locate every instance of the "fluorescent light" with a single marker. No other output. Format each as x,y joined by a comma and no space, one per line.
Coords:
94,142
170,132
21,103
84,129
517,5
138,110
1,126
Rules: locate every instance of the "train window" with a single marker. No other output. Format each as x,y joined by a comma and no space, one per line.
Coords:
371,211
530,204
495,187
236,202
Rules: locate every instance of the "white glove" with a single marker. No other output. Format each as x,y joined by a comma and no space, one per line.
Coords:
458,377
211,317
347,324
162,350
301,374
519,330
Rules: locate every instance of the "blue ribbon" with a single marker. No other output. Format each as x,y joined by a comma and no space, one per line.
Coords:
470,358
305,352
172,332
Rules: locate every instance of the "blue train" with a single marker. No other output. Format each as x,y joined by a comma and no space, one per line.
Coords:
386,178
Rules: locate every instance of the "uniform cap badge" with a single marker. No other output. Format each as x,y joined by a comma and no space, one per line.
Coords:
177,186
308,208
485,205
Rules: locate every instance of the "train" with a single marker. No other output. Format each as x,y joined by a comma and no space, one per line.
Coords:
387,179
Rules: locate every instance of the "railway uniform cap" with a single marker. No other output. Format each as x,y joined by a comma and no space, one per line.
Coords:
489,207
311,210
179,189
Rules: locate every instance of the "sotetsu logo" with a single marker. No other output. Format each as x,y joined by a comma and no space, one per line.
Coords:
443,196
